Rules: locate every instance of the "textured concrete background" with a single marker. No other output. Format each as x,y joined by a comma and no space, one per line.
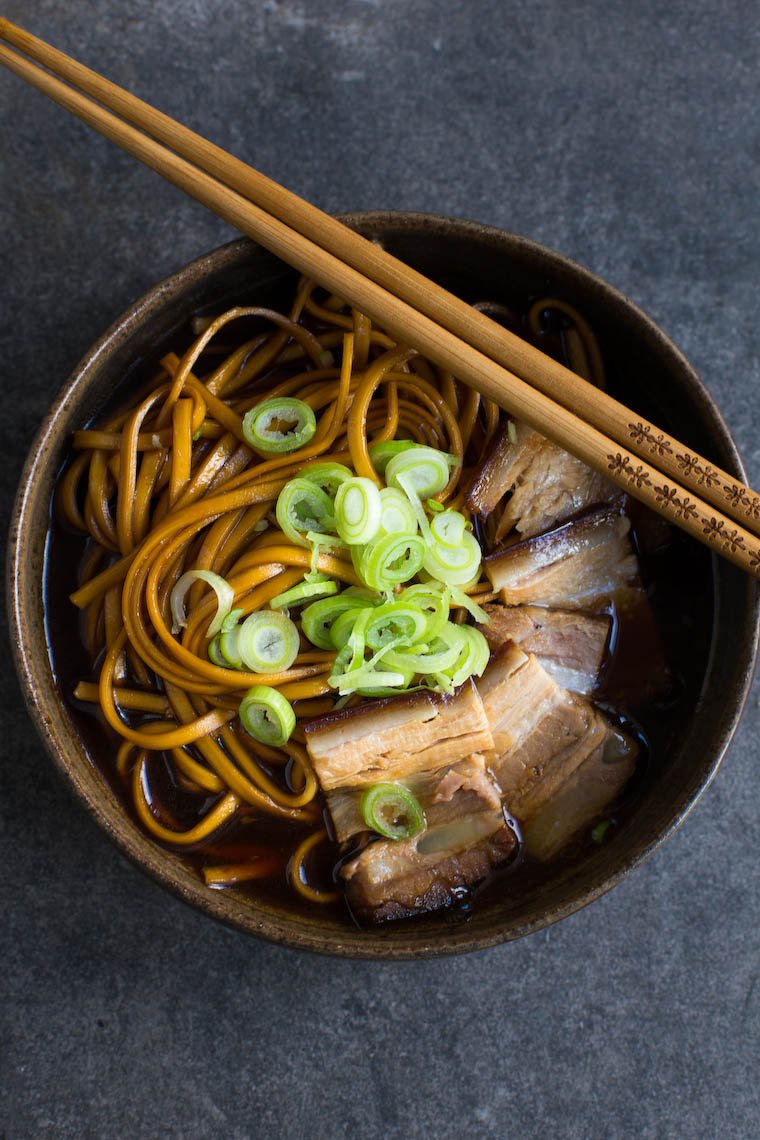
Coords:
627,136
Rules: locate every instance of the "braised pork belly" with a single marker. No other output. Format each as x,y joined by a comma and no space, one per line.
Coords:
397,737
436,747
543,736
398,879
568,644
546,485
582,564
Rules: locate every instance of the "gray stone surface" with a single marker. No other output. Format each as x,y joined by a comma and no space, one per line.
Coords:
625,134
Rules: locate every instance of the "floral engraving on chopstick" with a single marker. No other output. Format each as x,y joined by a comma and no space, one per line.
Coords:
691,466
683,508
621,465
716,532
738,496
734,541
644,434
754,560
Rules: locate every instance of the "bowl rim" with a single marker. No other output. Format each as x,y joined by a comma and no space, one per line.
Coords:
247,918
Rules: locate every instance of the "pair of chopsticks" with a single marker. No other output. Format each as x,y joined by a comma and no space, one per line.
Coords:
641,458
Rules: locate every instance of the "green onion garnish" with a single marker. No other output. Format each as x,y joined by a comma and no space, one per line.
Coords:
327,476
357,511
392,811
394,621
600,830
390,560
317,619
224,594
302,507
267,642
397,514
428,470
215,655
279,425
448,528
382,453
454,565
267,716
306,591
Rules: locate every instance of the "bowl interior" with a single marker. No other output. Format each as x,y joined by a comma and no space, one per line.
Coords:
478,263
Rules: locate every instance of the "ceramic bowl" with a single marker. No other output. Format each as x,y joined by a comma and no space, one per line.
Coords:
648,372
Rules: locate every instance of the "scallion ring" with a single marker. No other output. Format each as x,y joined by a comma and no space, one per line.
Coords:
427,468
381,453
448,528
327,476
267,716
279,425
224,595
268,642
302,507
357,511
395,620
304,592
318,619
454,565
397,515
392,811
390,560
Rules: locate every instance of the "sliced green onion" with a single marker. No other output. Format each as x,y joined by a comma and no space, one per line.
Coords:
448,528
441,655
343,626
392,621
233,617
459,598
599,831
434,506
406,482
215,655
382,453
369,681
267,716
397,515
279,425
433,601
268,642
317,619
224,595
228,647
303,593
475,655
302,507
389,560
357,511
327,476
392,811
427,468
454,565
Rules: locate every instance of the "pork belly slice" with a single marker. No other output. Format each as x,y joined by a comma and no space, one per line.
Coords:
569,645
397,737
591,790
580,565
400,878
542,734
447,794
547,484
508,459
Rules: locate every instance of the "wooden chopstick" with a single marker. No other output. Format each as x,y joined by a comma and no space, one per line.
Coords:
680,504
595,407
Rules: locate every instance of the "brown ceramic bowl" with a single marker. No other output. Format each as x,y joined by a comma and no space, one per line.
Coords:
647,370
